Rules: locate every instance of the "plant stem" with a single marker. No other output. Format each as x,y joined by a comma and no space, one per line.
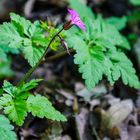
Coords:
29,73
59,55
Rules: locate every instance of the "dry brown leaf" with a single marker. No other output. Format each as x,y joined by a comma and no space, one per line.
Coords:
119,112
115,114
67,94
81,125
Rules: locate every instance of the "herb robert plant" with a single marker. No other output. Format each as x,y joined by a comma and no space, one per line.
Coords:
98,52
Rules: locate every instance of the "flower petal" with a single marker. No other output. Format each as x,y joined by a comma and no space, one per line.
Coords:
75,19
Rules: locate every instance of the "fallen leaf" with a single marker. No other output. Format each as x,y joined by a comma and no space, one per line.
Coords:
81,125
119,112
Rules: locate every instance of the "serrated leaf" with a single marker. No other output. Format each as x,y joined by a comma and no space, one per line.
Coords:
119,23
102,33
6,129
125,43
34,50
33,54
89,52
8,87
123,67
93,49
5,70
17,101
90,60
13,102
32,30
21,23
30,85
110,33
23,34
117,38
41,107
9,36
15,108
108,72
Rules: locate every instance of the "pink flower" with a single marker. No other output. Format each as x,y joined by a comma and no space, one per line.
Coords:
75,19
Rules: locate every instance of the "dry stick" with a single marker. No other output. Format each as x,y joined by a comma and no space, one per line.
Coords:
29,73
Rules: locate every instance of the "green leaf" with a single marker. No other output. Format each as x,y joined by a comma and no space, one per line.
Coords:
7,49
119,23
82,9
125,43
31,30
23,34
33,49
108,72
30,85
6,129
14,103
111,34
90,47
8,87
90,60
5,70
102,33
17,102
41,107
3,56
94,54
123,67
135,2
14,107
33,54
9,36
37,35
21,24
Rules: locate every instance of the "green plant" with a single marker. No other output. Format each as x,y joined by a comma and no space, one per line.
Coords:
135,2
6,130
99,51
20,35
5,61
16,102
